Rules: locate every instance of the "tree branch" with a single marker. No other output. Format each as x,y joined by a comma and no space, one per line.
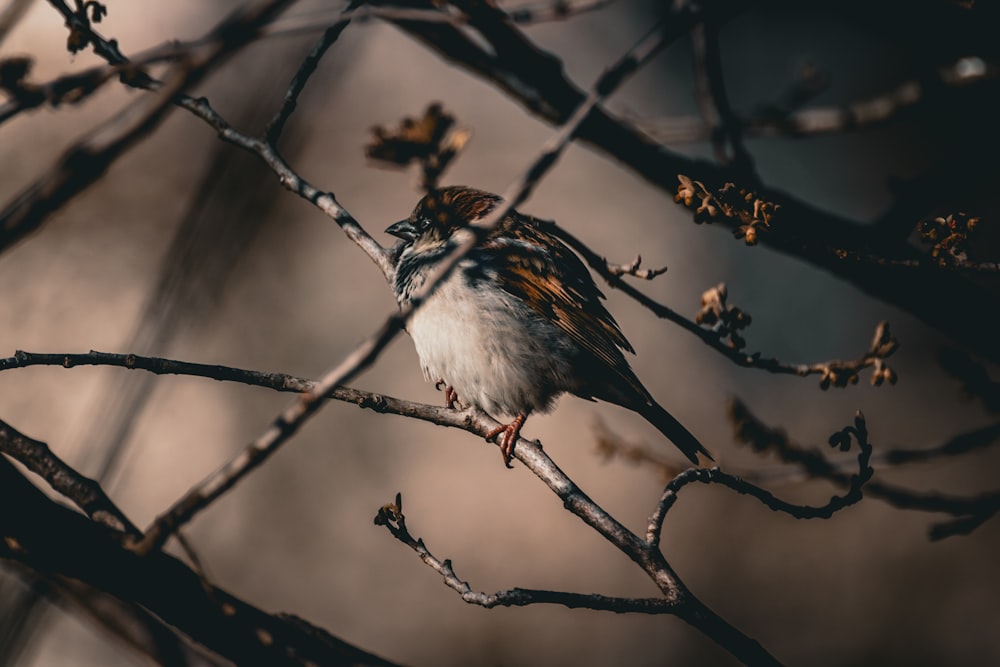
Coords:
391,516
835,372
50,539
536,80
85,493
842,439
772,121
969,512
88,160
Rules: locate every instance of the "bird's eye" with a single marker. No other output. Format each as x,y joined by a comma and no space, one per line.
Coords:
423,222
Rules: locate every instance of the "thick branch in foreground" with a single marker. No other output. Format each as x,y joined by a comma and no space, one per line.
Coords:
51,539
131,625
84,492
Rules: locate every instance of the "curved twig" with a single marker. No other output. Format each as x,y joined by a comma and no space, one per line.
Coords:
716,476
833,372
391,516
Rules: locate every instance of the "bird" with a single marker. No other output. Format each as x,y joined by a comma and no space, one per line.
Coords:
517,323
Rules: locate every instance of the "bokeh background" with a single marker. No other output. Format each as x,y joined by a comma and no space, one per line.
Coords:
262,280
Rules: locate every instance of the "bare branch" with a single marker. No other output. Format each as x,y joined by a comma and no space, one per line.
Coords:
82,33
391,516
779,121
51,539
554,10
727,134
536,79
841,440
837,373
87,161
85,493
277,124
970,512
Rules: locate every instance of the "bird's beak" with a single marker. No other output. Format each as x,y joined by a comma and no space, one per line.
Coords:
403,229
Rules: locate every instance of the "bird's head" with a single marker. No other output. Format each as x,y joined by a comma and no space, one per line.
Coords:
441,213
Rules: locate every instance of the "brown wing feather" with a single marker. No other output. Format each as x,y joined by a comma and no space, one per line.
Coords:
558,285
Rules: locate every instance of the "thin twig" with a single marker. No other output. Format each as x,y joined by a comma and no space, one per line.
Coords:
324,201
859,431
970,512
88,160
858,115
726,132
554,10
391,516
275,127
847,369
925,264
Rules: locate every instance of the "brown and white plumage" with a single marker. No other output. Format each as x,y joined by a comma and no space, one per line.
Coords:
519,322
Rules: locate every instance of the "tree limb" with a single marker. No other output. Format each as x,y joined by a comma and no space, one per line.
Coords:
53,540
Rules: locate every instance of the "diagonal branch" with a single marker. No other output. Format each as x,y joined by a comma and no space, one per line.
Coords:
88,160
277,124
775,121
86,493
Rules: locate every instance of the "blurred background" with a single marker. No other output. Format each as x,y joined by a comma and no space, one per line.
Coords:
189,249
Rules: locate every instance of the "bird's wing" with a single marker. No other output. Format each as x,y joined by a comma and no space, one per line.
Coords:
544,273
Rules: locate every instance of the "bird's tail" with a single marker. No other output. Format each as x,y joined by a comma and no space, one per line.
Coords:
668,425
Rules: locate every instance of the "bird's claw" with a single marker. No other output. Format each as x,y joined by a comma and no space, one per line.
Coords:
450,395
510,433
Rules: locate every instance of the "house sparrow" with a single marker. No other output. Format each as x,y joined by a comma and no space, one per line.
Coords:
517,323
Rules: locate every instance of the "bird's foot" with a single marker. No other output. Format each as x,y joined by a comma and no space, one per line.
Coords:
510,433
450,395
